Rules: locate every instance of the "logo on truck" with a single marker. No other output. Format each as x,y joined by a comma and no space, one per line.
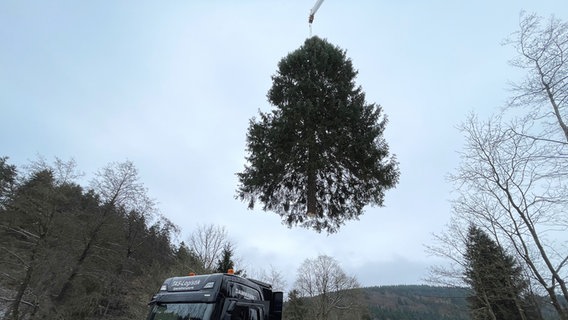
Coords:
185,284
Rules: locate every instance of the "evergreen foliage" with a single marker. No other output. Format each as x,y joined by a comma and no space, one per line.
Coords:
187,261
320,156
65,253
413,302
423,302
498,285
295,308
7,176
225,262
512,176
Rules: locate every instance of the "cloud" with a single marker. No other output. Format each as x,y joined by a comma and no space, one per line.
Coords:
396,271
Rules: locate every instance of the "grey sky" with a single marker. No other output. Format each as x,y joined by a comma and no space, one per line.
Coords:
172,85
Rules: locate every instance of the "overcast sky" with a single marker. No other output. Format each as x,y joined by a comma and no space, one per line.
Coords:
171,86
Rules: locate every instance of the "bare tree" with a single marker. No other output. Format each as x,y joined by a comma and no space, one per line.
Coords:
510,184
543,54
207,243
70,253
62,171
450,246
119,187
118,184
329,288
512,180
272,276
30,223
21,258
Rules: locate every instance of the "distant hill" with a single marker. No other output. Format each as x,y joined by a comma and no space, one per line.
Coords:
416,302
413,302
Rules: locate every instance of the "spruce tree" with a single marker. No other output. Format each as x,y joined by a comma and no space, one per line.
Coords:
7,180
499,288
296,307
225,262
319,157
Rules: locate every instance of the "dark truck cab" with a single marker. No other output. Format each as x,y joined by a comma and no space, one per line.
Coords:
219,296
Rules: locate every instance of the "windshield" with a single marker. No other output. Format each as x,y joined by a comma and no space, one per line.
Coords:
181,311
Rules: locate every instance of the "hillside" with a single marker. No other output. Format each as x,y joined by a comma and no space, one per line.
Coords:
416,302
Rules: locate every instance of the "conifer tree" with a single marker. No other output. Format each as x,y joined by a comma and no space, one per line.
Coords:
225,262
319,157
7,180
295,308
187,261
496,279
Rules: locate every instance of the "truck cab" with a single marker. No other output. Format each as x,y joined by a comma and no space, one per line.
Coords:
219,296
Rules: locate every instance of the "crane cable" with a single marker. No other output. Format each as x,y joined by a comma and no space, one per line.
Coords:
312,14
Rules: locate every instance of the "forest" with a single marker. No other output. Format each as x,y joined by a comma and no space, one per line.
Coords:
85,252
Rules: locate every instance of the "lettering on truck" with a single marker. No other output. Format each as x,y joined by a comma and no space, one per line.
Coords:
184,284
244,294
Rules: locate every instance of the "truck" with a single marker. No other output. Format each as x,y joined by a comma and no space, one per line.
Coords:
218,296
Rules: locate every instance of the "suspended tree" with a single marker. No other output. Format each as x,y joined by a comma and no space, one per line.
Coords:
319,157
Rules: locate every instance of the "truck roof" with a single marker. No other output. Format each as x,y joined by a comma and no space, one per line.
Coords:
211,285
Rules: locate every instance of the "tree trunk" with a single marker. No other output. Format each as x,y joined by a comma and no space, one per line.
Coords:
563,313
555,107
312,177
14,310
59,299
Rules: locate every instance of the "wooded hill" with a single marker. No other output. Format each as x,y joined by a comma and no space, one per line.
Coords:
74,252
416,302
406,302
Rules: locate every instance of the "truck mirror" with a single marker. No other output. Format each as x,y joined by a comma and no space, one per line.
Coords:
276,305
277,301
